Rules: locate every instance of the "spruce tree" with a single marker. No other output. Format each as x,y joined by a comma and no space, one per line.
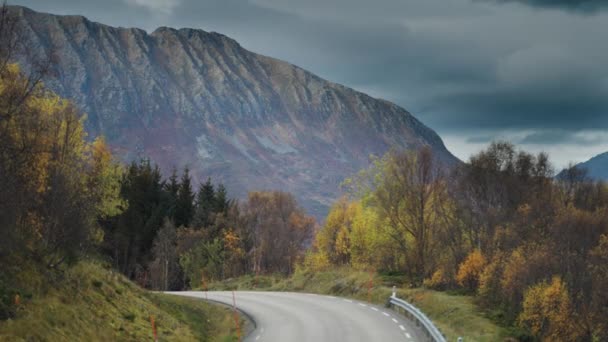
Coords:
184,206
172,188
221,200
205,204
130,240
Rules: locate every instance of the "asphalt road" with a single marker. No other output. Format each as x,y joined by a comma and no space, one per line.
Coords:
301,317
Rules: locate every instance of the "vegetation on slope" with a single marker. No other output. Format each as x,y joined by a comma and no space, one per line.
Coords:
455,315
529,248
90,302
58,189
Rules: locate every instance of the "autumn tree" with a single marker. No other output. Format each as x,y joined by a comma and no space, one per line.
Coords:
412,189
470,270
164,267
547,312
494,184
598,270
279,231
353,235
333,239
54,184
204,259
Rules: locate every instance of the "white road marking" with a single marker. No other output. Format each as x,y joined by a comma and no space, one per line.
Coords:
396,321
348,300
363,305
374,309
402,327
408,335
257,337
332,297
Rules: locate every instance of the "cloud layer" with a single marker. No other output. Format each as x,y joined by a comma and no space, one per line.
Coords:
467,68
587,6
163,6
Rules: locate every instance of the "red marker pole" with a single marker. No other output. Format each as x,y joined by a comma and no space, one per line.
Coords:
236,317
153,328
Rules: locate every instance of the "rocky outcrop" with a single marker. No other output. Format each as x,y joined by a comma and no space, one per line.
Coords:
190,97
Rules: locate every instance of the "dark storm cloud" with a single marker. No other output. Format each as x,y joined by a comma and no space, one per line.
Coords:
571,5
460,66
560,137
481,139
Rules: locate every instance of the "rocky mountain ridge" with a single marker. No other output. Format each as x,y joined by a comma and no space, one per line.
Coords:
596,168
190,97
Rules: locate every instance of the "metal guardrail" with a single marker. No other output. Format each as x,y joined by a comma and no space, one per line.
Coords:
417,316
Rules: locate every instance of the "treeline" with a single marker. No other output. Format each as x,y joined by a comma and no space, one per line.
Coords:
532,248
170,237
54,184
64,197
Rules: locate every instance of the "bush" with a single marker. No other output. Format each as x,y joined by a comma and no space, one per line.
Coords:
437,281
470,270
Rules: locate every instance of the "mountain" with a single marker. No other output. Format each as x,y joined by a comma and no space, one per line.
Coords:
190,97
597,167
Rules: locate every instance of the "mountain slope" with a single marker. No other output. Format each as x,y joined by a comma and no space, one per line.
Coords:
189,97
597,167
91,303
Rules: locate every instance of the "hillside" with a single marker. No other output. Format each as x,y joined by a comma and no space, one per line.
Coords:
190,97
89,302
597,167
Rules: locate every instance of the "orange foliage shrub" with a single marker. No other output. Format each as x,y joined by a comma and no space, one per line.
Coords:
548,313
470,270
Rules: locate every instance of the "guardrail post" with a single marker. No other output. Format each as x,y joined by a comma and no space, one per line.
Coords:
420,319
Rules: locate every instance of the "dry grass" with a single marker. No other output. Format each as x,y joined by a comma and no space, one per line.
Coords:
91,303
455,315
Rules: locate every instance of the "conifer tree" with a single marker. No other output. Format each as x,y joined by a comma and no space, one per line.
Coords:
205,203
221,200
172,189
184,205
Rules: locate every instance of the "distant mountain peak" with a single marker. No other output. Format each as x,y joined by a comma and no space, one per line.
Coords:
191,97
596,167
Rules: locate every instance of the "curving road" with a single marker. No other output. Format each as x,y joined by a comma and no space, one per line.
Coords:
302,317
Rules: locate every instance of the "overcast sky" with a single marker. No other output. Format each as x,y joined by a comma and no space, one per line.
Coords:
534,72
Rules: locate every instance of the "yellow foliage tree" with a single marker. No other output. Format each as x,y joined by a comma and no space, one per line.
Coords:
104,179
470,270
490,280
365,246
333,239
548,312
57,182
235,253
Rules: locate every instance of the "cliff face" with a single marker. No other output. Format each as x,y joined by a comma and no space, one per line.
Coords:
189,97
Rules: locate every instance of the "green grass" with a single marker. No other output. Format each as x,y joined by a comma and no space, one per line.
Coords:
455,315
90,302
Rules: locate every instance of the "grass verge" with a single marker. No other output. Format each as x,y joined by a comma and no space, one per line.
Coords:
91,303
455,315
